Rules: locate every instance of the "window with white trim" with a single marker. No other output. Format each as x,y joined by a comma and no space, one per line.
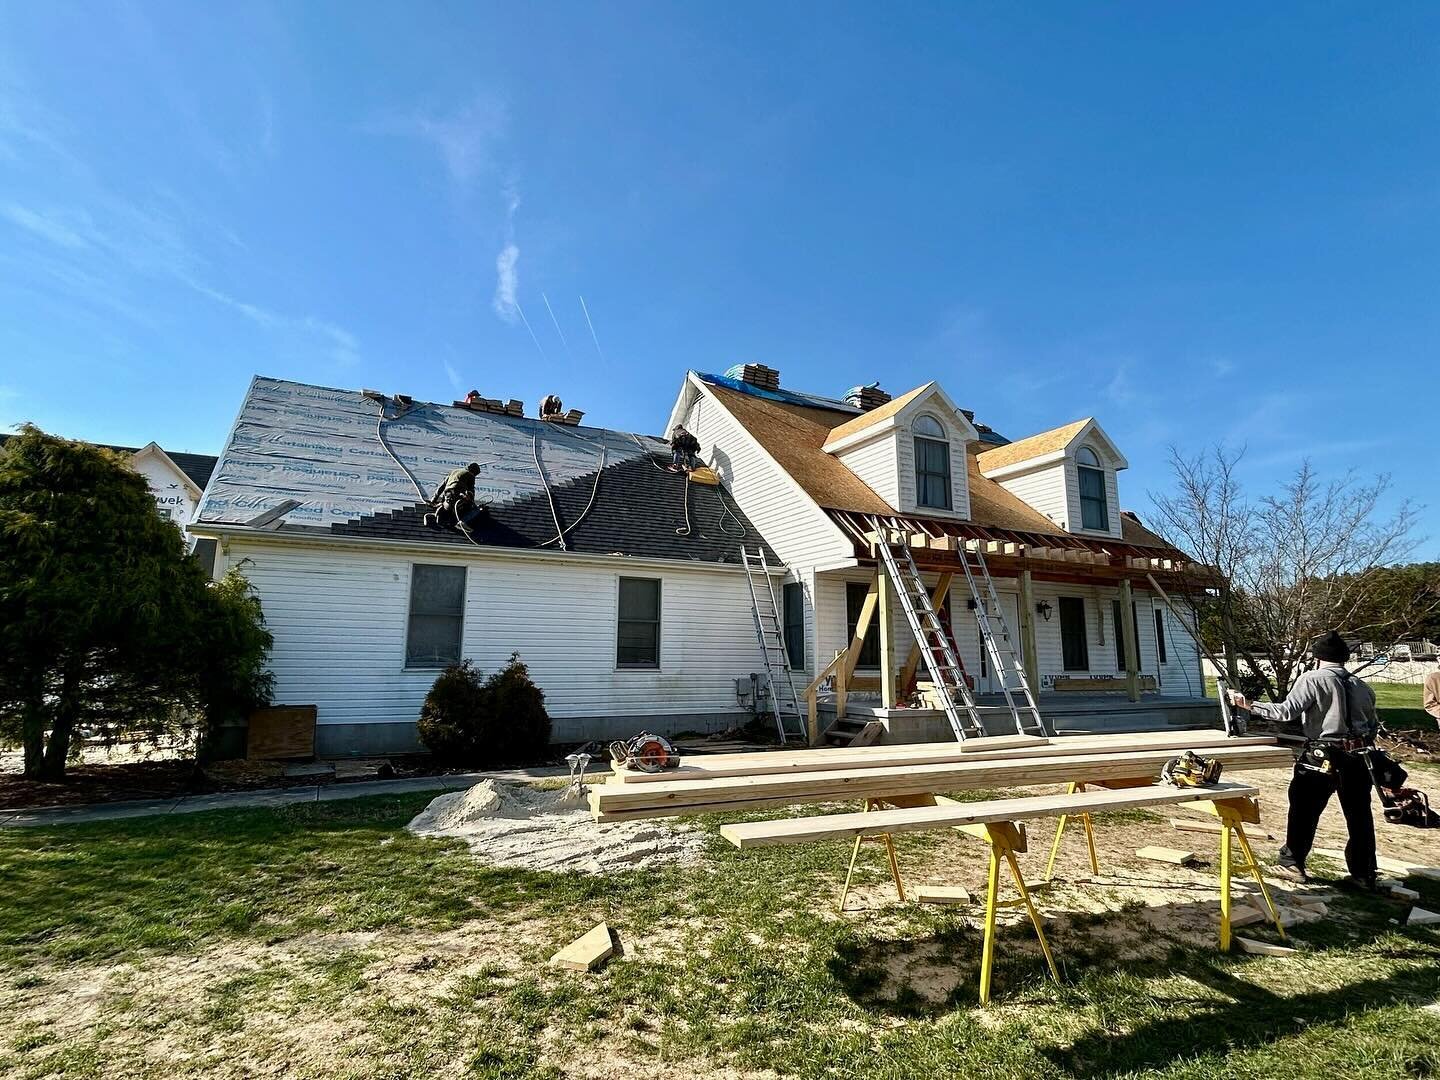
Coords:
437,616
1094,507
637,634
932,464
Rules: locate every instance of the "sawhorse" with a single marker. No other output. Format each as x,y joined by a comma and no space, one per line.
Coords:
1005,839
1233,814
885,802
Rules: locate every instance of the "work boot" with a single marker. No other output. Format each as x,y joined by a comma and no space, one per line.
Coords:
1351,883
1286,867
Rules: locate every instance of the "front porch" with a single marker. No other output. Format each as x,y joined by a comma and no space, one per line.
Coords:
1066,713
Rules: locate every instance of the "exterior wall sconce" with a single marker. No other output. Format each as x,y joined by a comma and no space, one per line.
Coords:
1043,609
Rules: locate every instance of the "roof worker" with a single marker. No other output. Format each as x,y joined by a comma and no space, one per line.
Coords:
454,499
472,398
1337,713
684,450
551,405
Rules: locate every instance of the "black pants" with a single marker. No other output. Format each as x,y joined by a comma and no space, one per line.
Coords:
1309,793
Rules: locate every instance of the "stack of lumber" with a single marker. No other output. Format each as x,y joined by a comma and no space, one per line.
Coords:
728,782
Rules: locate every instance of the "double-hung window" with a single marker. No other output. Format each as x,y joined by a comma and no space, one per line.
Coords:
437,616
932,464
637,636
1094,508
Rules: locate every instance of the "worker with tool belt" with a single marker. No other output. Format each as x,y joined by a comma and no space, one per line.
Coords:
1337,713
455,497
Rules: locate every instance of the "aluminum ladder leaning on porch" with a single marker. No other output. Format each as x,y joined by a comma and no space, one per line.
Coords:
1004,658
770,632
936,649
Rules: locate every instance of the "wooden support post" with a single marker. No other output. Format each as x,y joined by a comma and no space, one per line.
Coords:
889,698
1030,653
912,661
1127,636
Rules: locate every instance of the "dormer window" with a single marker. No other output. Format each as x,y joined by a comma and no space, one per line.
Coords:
932,464
1094,510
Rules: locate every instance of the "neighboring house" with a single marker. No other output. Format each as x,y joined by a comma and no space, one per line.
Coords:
810,472
176,479
641,619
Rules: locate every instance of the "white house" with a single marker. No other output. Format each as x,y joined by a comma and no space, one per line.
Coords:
620,583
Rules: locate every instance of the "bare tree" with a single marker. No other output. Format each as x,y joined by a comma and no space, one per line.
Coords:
1300,562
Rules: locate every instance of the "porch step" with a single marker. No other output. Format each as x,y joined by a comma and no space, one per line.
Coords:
844,730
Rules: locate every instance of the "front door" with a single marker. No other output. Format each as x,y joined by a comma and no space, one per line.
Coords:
988,680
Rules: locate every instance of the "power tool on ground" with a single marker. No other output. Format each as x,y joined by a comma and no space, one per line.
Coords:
1191,770
645,752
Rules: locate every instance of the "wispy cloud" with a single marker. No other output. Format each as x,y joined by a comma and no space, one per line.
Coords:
1121,387
48,226
465,138
507,283
454,377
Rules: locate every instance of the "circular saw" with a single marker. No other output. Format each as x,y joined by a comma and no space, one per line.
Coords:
646,753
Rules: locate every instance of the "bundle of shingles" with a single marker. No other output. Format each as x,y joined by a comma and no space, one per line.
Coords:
493,405
767,378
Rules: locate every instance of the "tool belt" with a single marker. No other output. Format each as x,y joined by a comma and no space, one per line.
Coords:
1349,746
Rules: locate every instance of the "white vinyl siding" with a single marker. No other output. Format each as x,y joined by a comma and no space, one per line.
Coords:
339,617
1045,490
800,533
876,463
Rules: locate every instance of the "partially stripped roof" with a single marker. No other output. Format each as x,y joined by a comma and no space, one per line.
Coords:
793,435
1032,446
313,455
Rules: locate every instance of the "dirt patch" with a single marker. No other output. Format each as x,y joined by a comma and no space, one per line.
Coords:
516,826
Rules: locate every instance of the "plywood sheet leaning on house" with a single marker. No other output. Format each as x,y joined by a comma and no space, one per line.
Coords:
748,834
281,732
616,802
830,759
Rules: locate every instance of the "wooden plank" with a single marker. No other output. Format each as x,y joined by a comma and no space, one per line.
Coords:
829,759
852,654
1262,948
1421,917
889,698
941,894
1029,651
1127,636
588,951
945,776
985,743
749,834
1167,855
868,734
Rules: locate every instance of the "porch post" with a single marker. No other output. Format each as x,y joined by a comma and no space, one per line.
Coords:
1127,635
1027,630
888,693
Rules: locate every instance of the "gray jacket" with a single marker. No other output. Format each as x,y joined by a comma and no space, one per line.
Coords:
1315,702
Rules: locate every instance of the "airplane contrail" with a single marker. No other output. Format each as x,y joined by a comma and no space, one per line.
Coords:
556,322
533,338
592,327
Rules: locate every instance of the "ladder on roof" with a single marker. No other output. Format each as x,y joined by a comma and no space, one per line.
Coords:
947,673
775,657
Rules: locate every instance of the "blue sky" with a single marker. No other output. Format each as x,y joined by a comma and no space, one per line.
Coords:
1192,221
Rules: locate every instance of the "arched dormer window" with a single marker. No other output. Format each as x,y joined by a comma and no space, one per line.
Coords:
1094,509
932,463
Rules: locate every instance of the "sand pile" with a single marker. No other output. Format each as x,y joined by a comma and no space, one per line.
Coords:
518,826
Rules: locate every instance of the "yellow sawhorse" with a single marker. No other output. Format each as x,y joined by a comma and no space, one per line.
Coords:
884,802
1005,839
1233,814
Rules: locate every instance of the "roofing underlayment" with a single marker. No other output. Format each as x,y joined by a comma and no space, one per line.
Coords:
318,447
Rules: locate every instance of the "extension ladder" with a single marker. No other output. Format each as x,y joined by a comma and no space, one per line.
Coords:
946,672
775,657
1005,658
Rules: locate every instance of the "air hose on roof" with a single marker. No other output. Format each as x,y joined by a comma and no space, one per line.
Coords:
380,421
550,497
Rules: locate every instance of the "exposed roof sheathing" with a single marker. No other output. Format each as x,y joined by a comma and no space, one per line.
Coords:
874,416
794,435
1033,446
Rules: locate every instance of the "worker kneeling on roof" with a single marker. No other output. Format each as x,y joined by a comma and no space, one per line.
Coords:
684,450
1337,712
455,497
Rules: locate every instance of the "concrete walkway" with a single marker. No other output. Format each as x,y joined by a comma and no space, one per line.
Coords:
236,800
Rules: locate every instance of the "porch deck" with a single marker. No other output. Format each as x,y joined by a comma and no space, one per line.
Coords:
1066,713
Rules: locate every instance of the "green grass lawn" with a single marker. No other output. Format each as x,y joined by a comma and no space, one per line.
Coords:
323,940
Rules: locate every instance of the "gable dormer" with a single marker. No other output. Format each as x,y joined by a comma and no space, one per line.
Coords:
1067,474
911,452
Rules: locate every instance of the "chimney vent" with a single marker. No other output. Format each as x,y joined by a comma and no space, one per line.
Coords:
766,378
866,398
